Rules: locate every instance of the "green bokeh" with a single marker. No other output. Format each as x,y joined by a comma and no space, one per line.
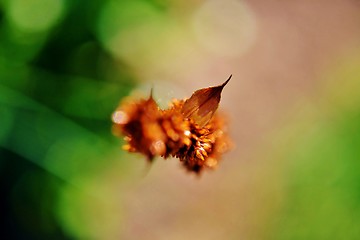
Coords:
64,67
320,160
58,88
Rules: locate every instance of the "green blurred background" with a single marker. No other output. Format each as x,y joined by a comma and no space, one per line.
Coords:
293,102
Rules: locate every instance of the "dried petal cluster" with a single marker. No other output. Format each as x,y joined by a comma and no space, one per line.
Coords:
188,130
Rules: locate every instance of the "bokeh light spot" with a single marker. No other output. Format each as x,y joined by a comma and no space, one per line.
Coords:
97,201
124,25
120,117
35,15
226,28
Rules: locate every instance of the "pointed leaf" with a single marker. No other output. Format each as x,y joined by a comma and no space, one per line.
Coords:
201,106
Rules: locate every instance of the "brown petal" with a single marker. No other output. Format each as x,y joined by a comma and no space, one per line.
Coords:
201,106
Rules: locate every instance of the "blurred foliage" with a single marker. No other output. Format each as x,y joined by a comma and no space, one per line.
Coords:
64,66
319,152
58,87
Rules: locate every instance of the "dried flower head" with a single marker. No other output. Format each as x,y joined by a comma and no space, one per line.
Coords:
189,130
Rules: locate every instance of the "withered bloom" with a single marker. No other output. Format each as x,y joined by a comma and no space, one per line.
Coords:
189,130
